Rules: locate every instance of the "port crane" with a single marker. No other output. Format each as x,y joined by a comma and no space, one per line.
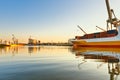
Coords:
112,21
101,28
15,41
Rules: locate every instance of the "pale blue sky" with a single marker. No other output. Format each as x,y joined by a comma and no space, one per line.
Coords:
52,20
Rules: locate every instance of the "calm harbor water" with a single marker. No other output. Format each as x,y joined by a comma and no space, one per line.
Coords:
59,63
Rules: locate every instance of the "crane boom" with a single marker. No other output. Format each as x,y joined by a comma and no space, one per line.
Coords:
100,28
109,11
81,29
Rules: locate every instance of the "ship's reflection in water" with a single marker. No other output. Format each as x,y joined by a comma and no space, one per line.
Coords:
110,56
59,63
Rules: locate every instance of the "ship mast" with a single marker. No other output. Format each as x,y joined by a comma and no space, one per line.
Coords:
112,21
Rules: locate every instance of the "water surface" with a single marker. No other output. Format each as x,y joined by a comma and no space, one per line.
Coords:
59,63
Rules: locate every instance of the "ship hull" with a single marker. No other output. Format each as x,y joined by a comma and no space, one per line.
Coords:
96,44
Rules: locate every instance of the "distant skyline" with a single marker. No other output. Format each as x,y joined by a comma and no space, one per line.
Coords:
52,20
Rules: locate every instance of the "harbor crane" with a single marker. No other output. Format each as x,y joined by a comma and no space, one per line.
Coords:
112,21
15,41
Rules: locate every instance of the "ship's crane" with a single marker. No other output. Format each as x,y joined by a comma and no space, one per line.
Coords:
112,21
81,29
101,29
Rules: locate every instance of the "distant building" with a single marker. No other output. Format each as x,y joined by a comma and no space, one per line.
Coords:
38,42
32,41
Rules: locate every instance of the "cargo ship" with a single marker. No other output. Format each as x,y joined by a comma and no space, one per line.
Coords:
106,38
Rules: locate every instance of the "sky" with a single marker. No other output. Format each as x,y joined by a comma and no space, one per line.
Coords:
52,20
